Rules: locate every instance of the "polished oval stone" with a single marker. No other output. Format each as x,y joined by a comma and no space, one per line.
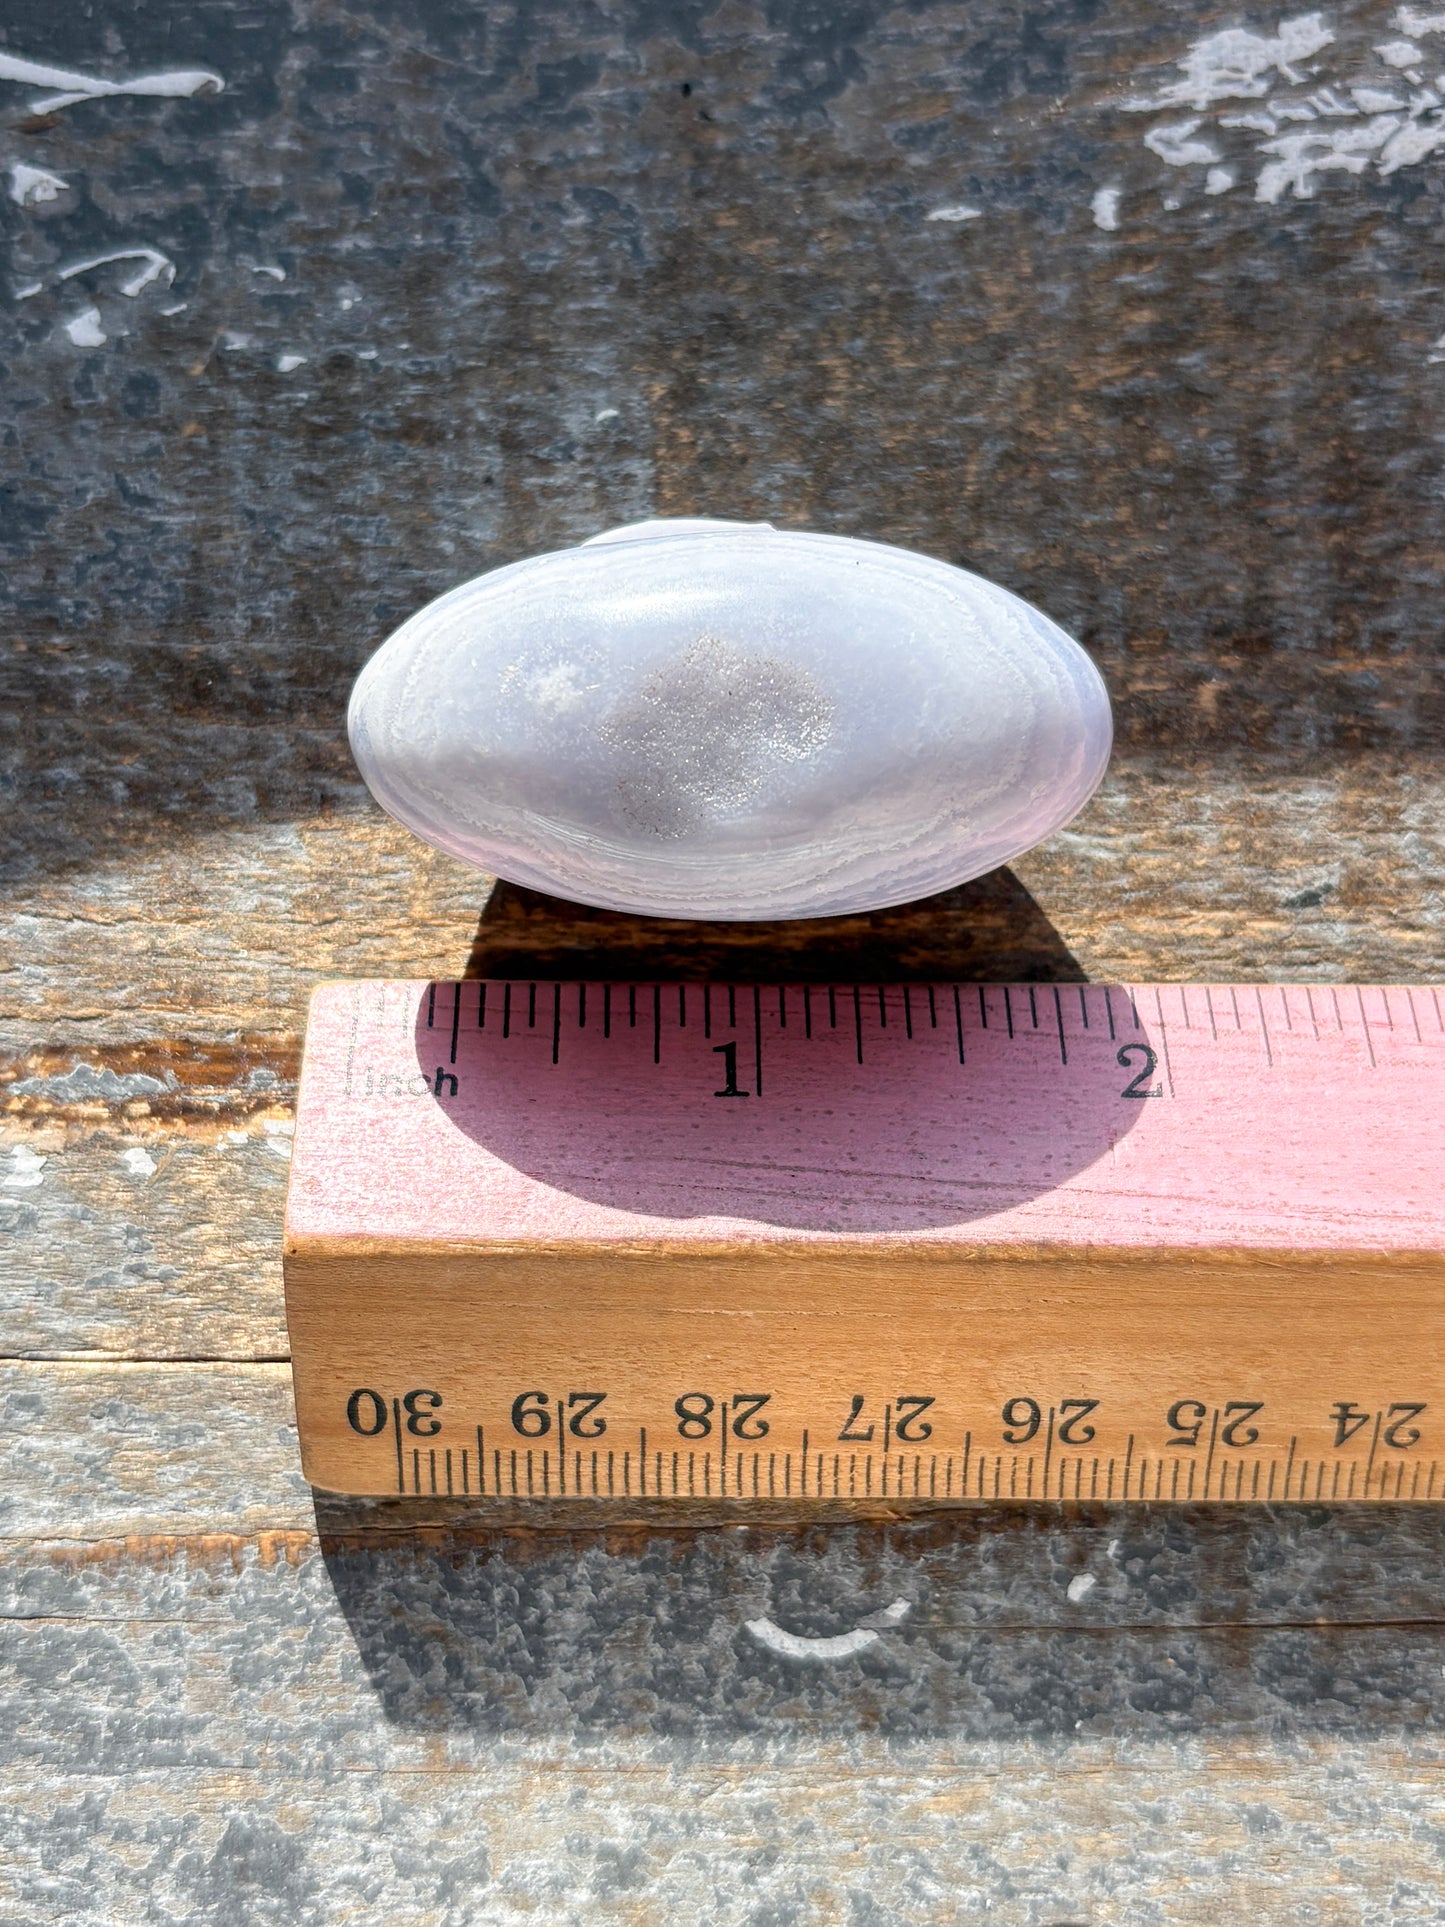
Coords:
724,720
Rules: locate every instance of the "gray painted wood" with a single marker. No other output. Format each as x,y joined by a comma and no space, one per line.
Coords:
1204,437
489,1724
224,1697
176,1255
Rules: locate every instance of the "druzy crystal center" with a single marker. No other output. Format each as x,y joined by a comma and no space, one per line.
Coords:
705,735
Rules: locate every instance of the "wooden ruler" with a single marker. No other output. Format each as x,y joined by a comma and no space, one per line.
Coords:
885,1245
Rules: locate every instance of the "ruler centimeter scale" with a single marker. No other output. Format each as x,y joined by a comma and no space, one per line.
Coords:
809,1244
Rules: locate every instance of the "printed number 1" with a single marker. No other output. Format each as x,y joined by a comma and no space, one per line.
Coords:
729,1053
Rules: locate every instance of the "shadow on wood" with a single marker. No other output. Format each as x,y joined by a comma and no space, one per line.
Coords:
995,1624
988,931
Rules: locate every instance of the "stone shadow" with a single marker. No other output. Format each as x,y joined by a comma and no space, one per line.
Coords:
840,1108
990,930
1246,1621
1024,1086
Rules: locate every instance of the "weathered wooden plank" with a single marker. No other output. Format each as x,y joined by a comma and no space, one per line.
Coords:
259,1714
384,1642
218,936
114,1450
160,1241
1159,1838
1196,425
208,1697
367,1678
1169,874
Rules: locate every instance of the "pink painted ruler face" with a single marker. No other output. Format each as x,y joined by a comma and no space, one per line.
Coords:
1298,1117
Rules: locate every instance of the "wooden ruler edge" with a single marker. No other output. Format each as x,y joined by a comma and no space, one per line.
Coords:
863,1248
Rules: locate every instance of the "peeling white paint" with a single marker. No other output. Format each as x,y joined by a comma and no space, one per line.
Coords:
288,364
839,1646
176,307
1237,64
1313,124
269,269
958,213
1176,147
156,266
34,186
1105,208
138,1162
1302,157
87,1084
28,290
179,84
26,1169
795,1646
1414,142
1080,1586
85,330
1417,25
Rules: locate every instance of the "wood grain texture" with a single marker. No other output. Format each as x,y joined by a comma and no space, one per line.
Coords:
1171,874
1055,1374
103,1452
850,1830
1204,437
182,1260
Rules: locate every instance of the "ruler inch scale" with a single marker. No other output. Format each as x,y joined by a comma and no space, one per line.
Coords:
874,1246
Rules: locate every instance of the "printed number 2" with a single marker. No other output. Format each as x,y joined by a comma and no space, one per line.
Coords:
1135,1087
